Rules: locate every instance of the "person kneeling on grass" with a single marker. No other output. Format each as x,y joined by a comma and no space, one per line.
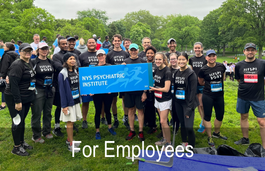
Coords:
70,97
212,76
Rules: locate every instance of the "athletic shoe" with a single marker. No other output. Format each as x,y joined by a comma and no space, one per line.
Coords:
161,142
112,131
168,148
84,124
2,107
201,123
75,128
123,119
210,141
160,135
48,136
141,136
116,124
184,145
75,150
201,129
39,140
219,135
98,137
57,132
131,135
26,146
242,141
171,122
135,117
126,124
152,130
102,120
20,151
68,143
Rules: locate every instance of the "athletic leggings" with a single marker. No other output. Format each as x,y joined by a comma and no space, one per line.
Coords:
98,100
17,130
209,102
3,98
150,113
186,123
175,117
57,114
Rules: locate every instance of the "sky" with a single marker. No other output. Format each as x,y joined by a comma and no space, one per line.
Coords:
117,9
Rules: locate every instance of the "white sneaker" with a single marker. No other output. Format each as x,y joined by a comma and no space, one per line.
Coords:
68,143
48,136
39,140
161,142
184,145
70,149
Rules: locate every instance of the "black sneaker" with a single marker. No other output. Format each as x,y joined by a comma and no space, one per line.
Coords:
116,124
131,135
152,130
141,136
126,124
20,151
75,128
219,135
242,141
160,135
210,141
26,146
57,132
103,120
2,108
84,124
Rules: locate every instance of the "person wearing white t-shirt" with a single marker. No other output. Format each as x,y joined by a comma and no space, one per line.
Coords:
34,45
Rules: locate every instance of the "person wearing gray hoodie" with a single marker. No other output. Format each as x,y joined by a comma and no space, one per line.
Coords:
82,46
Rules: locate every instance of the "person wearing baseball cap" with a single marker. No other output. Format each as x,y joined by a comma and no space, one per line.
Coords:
135,98
19,94
71,48
68,82
171,44
250,74
211,76
44,69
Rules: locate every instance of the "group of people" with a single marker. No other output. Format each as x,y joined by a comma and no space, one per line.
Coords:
39,82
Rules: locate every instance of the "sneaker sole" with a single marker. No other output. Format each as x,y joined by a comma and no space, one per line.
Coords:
218,137
38,141
20,155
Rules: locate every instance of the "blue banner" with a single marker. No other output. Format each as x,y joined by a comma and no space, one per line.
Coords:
115,78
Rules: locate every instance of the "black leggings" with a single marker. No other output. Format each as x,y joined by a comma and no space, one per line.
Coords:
150,113
217,102
175,117
98,100
17,130
186,123
57,114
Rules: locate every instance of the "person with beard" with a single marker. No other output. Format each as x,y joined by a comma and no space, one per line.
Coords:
58,65
87,59
171,44
250,74
146,41
197,62
117,57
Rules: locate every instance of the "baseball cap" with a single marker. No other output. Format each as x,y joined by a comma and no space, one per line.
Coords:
42,45
250,45
133,45
24,46
171,39
71,38
100,51
209,52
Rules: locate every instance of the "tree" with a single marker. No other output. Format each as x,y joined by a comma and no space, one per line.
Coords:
245,14
60,23
77,29
98,14
138,32
94,26
120,28
185,29
112,30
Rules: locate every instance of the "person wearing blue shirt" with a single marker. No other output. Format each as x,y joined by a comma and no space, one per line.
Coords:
44,39
55,43
77,41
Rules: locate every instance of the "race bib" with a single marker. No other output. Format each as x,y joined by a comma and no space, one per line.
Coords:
158,94
75,94
180,94
32,85
47,82
251,78
216,87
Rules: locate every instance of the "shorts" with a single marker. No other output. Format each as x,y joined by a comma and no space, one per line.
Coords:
74,114
258,107
200,89
86,99
163,105
131,100
121,94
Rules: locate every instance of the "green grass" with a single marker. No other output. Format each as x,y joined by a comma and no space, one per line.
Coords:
53,154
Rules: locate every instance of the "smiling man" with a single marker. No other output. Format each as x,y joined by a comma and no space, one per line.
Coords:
146,42
171,44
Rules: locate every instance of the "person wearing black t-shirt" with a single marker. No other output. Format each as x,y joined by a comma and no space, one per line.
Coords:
44,69
146,41
71,48
163,100
250,74
212,76
105,99
68,82
135,98
19,94
87,59
197,62
172,44
184,84
116,57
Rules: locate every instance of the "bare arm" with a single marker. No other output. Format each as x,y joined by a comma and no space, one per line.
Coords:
201,81
164,89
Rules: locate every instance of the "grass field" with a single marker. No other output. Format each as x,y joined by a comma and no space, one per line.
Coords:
53,154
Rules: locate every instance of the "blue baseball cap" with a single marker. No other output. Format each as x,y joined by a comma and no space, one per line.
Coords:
250,45
209,52
133,45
